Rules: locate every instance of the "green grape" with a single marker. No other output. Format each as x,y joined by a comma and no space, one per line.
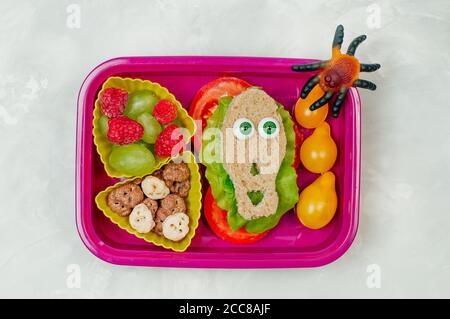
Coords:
132,159
141,142
140,102
152,128
103,125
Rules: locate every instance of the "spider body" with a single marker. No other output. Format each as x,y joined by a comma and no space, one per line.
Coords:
337,74
342,70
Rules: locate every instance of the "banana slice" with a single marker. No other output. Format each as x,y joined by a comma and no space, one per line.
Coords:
176,226
141,219
154,188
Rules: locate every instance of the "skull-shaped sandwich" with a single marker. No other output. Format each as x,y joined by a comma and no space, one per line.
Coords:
248,150
254,146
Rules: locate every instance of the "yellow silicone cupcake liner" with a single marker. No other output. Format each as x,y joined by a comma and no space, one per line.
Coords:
104,147
193,204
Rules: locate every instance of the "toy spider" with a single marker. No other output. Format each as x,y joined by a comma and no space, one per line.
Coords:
338,74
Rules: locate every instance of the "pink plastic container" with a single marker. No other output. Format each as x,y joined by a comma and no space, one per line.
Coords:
289,244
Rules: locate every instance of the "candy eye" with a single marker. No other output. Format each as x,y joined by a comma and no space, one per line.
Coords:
243,128
268,127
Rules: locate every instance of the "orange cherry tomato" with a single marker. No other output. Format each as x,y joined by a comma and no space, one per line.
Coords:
318,152
304,116
318,202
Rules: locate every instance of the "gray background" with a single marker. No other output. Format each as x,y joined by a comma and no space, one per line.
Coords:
405,211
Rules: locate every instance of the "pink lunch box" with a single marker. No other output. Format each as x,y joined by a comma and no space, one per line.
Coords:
289,244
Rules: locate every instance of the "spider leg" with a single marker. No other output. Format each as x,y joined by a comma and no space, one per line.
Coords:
339,101
364,84
354,44
363,67
309,85
309,67
322,101
338,37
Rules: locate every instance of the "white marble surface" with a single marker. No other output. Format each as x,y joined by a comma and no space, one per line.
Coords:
405,211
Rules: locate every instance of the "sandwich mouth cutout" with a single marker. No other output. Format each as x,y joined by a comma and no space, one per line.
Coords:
255,197
254,170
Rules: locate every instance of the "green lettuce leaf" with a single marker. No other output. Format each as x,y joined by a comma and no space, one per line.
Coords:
222,187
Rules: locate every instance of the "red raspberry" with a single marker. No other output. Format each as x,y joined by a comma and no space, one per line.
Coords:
167,140
122,130
164,111
113,101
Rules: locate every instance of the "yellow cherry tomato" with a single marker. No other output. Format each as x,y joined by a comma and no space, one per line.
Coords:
304,116
318,202
318,152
